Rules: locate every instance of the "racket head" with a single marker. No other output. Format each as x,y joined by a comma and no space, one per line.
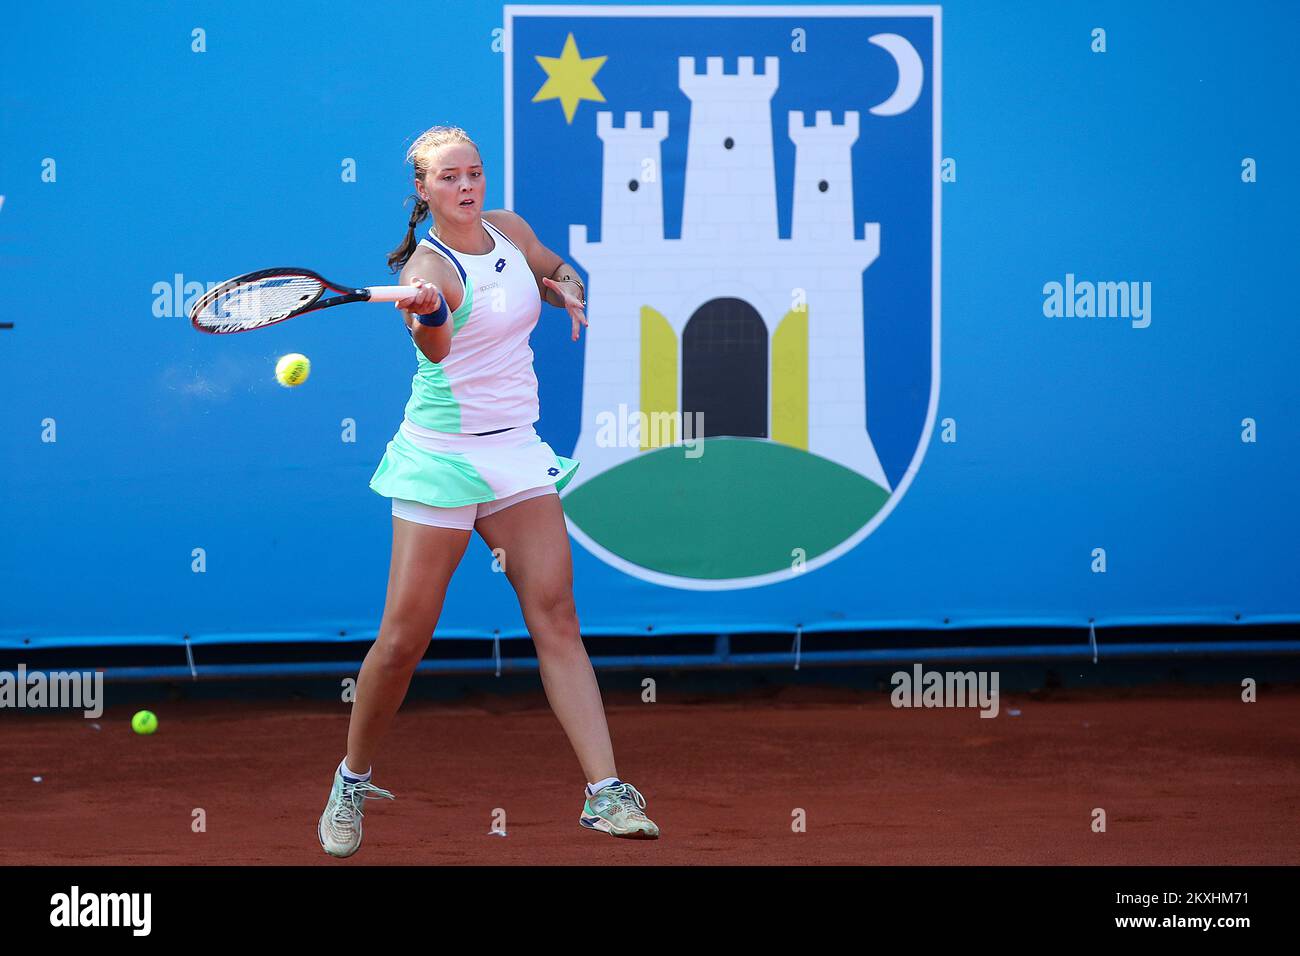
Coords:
257,299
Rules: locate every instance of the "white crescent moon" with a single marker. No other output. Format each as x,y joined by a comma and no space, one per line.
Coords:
911,74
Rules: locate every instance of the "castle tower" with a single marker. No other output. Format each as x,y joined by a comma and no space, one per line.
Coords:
632,195
631,228
822,223
823,178
730,172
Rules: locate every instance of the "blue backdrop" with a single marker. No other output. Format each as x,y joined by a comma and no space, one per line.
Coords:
142,160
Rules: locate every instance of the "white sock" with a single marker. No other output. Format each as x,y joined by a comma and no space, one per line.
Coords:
594,788
349,772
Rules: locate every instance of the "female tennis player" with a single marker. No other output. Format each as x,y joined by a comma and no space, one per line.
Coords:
467,458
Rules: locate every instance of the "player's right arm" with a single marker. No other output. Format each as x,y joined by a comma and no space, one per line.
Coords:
433,274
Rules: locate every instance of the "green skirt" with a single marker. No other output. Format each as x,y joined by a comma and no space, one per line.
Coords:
448,470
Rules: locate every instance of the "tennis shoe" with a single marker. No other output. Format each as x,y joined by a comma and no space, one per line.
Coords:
339,830
617,810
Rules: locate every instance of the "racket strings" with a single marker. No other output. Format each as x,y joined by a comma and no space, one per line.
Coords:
252,303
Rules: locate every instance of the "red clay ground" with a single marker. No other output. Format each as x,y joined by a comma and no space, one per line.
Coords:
1184,779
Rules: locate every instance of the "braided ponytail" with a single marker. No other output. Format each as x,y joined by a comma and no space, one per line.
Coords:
420,154
397,258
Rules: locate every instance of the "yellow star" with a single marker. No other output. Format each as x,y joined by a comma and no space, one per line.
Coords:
568,78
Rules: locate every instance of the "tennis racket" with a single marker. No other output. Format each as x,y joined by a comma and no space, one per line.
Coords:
258,299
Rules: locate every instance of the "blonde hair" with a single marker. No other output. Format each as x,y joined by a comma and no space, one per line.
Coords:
420,155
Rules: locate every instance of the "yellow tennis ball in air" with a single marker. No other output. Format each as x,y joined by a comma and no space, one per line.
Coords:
292,369
144,722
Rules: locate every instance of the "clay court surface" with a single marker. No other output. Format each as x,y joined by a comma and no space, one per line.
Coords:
1186,777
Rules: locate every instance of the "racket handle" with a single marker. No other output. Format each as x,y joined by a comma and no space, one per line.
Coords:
391,293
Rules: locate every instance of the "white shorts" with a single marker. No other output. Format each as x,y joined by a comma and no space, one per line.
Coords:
464,516
449,470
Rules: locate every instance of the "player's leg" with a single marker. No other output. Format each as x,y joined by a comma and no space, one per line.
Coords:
535,547
423,560
535,544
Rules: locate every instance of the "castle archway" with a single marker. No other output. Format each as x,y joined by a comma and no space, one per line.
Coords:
724,368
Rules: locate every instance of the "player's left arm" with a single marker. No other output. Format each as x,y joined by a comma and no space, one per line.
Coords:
544,263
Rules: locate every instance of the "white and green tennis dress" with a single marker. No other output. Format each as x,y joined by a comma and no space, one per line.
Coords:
467,436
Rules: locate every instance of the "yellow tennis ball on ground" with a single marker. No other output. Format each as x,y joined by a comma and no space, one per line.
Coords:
144,722
292,369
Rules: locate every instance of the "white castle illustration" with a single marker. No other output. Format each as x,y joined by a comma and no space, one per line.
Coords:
762,335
